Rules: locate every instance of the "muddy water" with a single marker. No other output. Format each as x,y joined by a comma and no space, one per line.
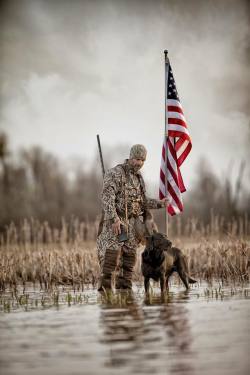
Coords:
204,331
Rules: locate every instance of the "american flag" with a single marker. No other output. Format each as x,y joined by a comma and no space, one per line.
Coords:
178,143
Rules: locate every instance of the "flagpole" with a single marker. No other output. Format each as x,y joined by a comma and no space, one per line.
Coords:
166,136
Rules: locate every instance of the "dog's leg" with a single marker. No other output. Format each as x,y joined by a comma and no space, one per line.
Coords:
168,274
182,269
146,284
184,278
167,278
163,283
167,286
185,270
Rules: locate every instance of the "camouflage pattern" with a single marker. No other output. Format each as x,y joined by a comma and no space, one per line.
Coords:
121,184
138,152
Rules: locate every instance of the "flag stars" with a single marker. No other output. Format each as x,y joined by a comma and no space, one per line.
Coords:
171,90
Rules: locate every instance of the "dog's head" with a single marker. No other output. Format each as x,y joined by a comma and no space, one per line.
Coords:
159,240
156,244
146,228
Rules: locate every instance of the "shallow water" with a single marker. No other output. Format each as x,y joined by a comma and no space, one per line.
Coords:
204,331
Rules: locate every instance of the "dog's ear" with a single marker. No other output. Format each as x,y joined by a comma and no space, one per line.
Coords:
145,256
148,239
160,256
149,243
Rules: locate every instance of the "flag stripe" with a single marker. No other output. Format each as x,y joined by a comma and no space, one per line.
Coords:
178,131
174,102
184,154
176,198
176,116
173,108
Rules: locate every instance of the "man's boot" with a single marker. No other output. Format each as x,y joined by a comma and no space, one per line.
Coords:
124,280
109,265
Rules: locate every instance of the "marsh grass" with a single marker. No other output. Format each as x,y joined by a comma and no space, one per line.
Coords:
35,253
76,265
73,230
48,265
37,299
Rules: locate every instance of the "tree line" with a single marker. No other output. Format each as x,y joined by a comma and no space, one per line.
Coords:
36,184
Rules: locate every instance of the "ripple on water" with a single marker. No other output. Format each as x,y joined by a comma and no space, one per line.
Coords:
203,331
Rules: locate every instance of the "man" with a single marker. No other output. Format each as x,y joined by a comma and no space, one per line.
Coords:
125,207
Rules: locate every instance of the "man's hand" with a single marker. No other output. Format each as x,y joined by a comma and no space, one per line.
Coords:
116,227
165,202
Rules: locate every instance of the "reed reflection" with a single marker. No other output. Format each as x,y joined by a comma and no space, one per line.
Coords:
170,315
153,335
122,325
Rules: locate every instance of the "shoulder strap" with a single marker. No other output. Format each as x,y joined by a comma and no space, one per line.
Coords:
142,183
125,173
124,180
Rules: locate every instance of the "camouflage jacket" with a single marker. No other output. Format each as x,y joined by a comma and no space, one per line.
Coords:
123,187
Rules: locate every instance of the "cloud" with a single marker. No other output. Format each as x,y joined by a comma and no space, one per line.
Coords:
72,70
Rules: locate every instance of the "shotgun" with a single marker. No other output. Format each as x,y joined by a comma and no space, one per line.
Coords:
100,154
103,173
123,236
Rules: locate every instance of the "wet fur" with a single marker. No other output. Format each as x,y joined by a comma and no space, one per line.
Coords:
160,260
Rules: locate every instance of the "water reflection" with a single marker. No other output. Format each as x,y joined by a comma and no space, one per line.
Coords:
122,328
200,332
149,336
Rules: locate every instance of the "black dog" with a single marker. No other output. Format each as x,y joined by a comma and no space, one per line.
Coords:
160,260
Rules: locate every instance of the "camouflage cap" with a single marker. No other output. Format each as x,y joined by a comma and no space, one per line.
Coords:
138,152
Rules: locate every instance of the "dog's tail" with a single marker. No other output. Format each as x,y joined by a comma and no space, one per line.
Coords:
191,281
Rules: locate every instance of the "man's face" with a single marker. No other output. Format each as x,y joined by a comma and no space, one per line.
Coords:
136,164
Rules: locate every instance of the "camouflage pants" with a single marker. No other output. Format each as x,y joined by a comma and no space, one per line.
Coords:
113,255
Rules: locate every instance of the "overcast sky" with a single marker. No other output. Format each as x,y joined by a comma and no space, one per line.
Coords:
72,69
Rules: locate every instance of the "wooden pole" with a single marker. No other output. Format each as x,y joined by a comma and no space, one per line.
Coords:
166,63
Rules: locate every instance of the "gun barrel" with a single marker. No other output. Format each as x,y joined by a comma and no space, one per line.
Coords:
100,153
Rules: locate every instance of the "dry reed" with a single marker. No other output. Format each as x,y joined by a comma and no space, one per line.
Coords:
76,264
32,231
48,265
